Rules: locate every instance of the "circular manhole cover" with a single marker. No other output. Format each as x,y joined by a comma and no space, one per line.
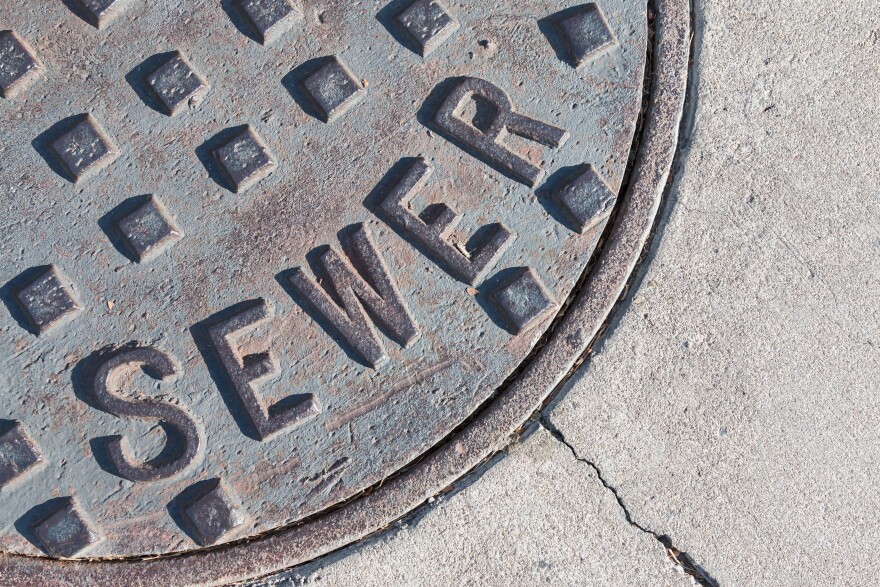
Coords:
277,271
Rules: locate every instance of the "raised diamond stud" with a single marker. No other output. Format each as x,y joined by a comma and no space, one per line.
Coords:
334,89
149,230
48,300
212,514
429,24
18,455
524,301
85,149
19,66
585,32
587,199
100,13
64,531
177,84
245,160
272,18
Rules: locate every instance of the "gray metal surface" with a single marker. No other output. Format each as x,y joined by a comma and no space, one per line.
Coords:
318,332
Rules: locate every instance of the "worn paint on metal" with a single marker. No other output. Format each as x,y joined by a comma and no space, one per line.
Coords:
388,307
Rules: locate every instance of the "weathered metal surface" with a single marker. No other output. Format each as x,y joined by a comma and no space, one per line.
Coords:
251,376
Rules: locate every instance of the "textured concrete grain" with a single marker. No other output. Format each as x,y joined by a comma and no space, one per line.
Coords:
734,406
537,517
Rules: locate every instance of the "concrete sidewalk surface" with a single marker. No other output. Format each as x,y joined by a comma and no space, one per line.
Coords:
734,404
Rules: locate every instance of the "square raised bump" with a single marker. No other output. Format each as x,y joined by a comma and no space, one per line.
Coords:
213,513
429,23
48,300
524,301
586,33
587,199
272,18
19,65
176,84
100,13
149,230
18,455
334,89
64,531
245,159
85,149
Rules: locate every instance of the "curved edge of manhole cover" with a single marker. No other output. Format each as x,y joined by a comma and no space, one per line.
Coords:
491,429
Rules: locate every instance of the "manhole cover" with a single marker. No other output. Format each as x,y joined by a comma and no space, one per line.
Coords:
277,271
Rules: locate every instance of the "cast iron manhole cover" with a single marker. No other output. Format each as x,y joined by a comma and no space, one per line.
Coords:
277,271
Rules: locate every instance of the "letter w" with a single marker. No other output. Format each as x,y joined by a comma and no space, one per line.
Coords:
356,299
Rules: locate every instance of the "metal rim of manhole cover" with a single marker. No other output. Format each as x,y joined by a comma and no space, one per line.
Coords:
279,271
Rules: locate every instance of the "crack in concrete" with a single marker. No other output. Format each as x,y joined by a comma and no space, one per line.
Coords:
681,559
